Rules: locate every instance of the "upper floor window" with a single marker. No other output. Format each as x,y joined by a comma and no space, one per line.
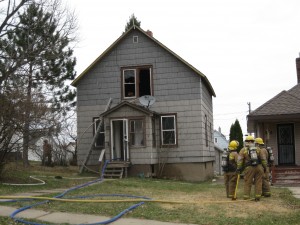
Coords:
168,130
101,137
206,131
136,82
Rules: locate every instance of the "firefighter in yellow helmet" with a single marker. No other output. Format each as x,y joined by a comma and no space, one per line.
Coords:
266,190
254,163
229,168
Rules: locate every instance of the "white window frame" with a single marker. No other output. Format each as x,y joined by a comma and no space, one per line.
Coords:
168,130
136,83
135,39
124,84
135,133
101,132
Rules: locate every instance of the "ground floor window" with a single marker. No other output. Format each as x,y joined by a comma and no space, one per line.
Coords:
101,136
136,132
168,130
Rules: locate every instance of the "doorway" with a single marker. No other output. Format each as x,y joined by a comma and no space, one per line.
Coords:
119,140
286,144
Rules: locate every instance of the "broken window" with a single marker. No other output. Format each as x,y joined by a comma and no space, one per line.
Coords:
136,132
137,82
99,143
168,130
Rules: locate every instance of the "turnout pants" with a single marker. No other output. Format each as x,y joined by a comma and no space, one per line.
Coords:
230,179
253,173
266,191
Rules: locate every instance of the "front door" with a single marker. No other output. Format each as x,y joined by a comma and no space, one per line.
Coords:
119,140
286,144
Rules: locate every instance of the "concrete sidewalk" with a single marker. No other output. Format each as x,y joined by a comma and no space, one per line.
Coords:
295,191
71,218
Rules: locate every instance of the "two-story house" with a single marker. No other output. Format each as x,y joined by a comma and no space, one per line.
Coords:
169,134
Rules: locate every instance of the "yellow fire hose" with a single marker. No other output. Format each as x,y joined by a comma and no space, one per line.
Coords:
115,200
236,187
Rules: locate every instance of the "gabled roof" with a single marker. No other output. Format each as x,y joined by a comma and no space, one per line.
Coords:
220,133
285,103
295,90
218,148
75,82
132,105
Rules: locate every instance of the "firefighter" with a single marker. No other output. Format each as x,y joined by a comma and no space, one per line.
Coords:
47,153
266,190
230,176
254,163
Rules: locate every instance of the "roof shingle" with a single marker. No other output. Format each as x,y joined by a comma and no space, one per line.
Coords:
286,102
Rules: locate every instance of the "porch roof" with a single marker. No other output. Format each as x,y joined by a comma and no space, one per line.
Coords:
132,105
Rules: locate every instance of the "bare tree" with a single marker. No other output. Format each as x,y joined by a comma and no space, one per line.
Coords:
62,139
8,11
35,60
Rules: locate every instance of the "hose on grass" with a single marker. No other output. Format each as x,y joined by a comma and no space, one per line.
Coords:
138,199
59,197
41,182
135,199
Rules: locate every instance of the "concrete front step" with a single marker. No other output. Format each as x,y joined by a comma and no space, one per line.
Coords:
288,183
285,176
118,164
111,172
288,177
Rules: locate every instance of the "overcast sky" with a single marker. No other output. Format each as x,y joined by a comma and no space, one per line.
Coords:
246,48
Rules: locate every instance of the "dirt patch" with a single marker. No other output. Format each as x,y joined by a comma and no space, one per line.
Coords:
202,201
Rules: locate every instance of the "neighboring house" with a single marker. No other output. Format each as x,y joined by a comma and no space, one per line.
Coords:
35,152
171,138
278,122
71,153
220,139
61,155
221,143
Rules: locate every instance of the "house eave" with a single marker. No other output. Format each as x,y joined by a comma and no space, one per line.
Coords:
137,107
252,120
281,117
75,82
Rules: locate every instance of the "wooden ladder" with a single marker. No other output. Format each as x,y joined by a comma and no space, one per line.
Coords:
95,137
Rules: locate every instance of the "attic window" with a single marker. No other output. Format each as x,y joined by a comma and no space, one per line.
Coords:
135,39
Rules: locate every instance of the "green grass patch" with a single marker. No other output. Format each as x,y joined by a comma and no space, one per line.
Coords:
210,206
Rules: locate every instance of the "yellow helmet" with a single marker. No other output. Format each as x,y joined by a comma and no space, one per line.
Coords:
233,145
259,141
249,138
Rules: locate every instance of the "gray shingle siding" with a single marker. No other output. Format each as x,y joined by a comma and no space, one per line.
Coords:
297,143
177,89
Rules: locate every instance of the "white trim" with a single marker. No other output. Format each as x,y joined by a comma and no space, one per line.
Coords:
174,129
